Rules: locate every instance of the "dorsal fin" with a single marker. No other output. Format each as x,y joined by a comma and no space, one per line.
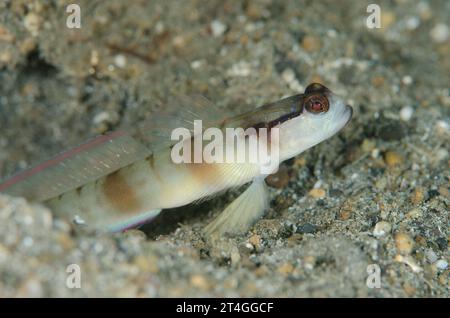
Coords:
107,153
181,111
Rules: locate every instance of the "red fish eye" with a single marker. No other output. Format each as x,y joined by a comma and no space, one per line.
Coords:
317,104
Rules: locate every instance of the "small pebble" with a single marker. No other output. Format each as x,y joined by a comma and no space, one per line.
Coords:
393,158
418,196
424,10
406,113
235,256
368,145
407,80
288,76
387,18
32,23
431,256
255,10
344,214
317,193
444,192
404,243
94,58
286,268
375,153
377,81
217,28
409,289
101,117
306,228
442,127
146,264
382,228
5,57
309,262
414,213
240,69
311,44
199,281
197,64
120,61
442,264
412,23
440,33
255,240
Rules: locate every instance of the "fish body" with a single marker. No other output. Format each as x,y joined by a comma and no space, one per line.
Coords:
130,184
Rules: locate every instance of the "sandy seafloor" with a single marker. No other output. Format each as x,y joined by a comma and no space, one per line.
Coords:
378,193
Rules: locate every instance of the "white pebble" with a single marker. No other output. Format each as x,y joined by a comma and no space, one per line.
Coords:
412,23
431,256
32,23
442,264
382,228
439,33
288,76
217,28
101,117
78,220
240,69
407,80
120,60
406,113
442,127
196,64
375,153
332,33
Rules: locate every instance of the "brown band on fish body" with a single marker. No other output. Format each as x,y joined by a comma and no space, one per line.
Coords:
120,194
204,171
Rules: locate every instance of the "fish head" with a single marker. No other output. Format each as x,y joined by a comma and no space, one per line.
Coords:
322,114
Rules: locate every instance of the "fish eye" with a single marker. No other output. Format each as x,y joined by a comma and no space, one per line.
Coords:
317,104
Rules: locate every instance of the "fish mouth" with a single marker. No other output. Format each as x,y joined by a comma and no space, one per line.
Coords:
349,113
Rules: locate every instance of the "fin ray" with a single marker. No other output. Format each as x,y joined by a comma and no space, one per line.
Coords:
242,212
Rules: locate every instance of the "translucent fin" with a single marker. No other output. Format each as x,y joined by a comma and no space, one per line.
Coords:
76,167
242,212
268,113
180,112
183,110
136,221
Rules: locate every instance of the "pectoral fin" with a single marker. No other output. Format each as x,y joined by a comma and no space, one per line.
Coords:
242,212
